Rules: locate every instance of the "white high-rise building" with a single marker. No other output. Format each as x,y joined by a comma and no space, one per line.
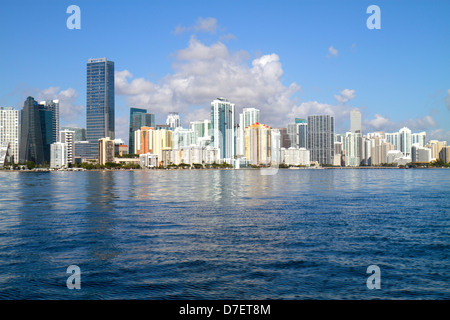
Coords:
173,120
184,138
9,130
248,117
420,154
223,130
419,138
352,145
58,155
355,121
68,137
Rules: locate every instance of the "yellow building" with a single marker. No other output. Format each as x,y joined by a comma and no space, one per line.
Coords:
105,150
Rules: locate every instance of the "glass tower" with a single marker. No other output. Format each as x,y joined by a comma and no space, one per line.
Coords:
99,103
138,118
222,123
36,132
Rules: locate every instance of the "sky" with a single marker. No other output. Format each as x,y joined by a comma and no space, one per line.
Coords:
290,59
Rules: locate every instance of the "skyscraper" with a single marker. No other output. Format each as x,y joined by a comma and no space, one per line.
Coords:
222,122
9,130
68,137
173,120
99,103
321,138
355,121
248,117
53,106
36,133
139,118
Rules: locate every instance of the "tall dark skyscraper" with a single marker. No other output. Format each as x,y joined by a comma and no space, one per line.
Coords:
321,138
139,118
36,132
99,103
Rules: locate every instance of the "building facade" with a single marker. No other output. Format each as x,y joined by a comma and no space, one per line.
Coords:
223,129
321,138
100,103
9,131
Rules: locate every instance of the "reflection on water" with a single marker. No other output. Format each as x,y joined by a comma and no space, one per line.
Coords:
225,234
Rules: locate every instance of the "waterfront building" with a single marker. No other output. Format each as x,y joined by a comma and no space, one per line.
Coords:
419,138
139,118
258,144
295,156
223,128
321,138
248,117
444,154
9,131
149,160
58,155
68,137
436,147
352,146
100,105
420,154
183,137
53,106
105,150
36,132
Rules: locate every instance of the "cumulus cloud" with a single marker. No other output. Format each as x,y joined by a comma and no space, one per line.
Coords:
332,52
381,123
345,96
69,111
202,73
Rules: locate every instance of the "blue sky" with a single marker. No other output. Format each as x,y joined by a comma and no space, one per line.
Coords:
288,58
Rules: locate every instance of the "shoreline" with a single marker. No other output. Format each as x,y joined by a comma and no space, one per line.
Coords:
202,169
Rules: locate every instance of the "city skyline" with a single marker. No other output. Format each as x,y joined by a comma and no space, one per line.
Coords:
268,74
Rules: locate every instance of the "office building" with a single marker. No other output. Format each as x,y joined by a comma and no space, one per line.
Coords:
321,138
100,105
53,106
355,121
139,118
36,132
80,133
223,129
9,131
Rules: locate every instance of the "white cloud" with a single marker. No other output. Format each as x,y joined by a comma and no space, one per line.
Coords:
381,123
202,73
345,96
69,111
333,52
207,25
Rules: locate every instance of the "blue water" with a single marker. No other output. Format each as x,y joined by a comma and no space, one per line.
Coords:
225,234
